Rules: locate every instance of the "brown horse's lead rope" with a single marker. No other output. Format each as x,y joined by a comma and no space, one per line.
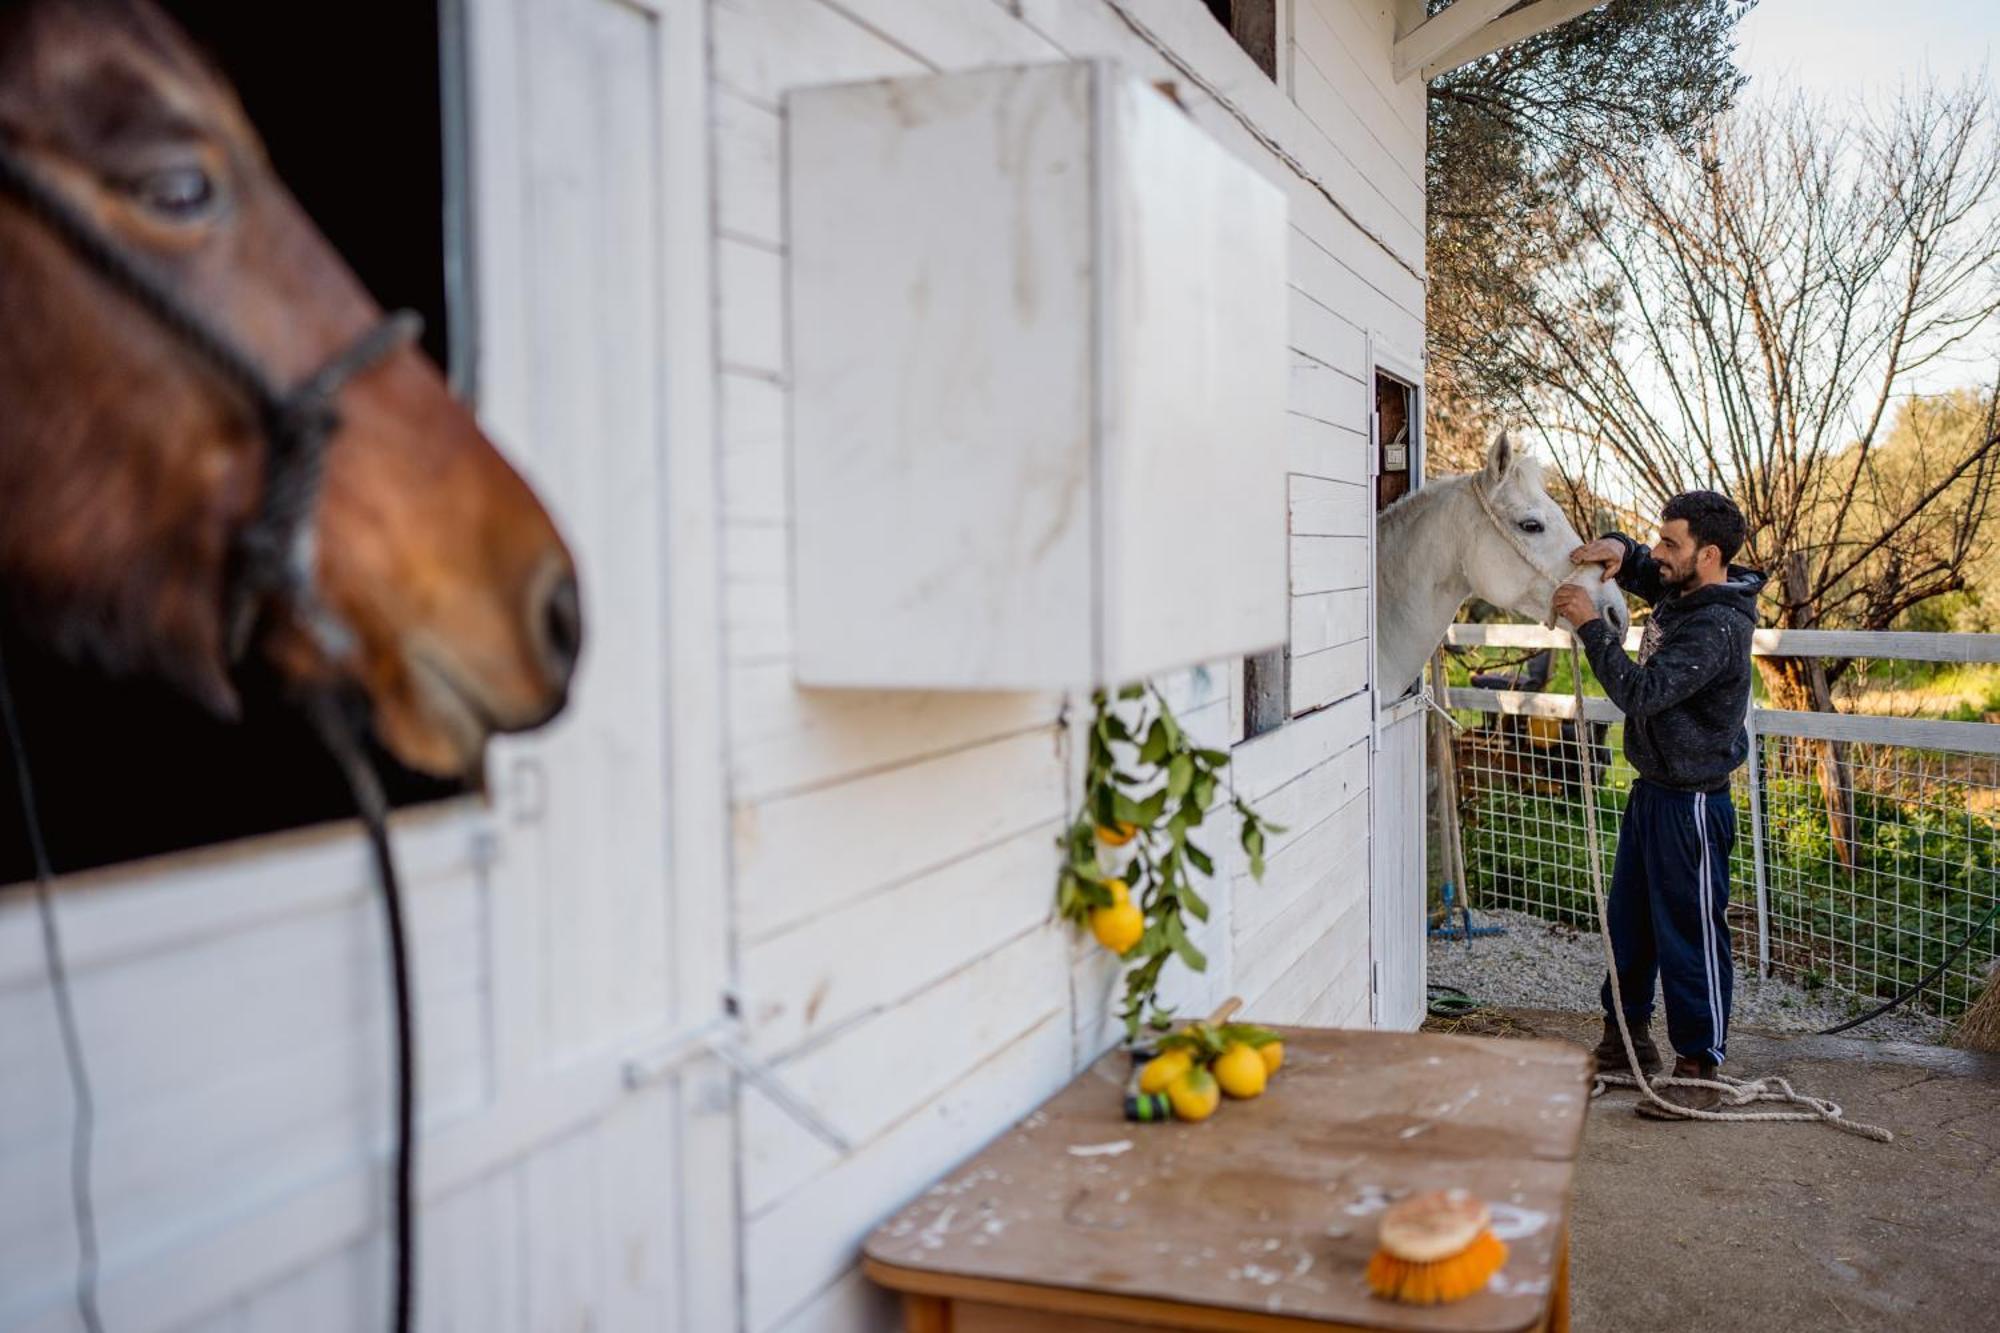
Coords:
1738,1092
341,735
83,1120
268,563
342,739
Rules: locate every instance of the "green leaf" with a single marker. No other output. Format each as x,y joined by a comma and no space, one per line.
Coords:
1131,692
1202,861
1180,776
1194,902
1154,751
1183,948
1213,758
1151,809
1204,791
1172,728
1124,810
1113,727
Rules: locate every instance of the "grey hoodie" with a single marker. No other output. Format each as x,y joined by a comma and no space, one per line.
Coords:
1686,697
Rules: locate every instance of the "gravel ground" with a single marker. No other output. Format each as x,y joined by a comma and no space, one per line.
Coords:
1541,965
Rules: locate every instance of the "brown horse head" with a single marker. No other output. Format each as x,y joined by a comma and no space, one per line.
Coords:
129,465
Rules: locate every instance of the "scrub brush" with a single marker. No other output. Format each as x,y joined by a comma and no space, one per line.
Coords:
1435,1248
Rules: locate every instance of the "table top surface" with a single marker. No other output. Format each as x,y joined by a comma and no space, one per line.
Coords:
1269,1206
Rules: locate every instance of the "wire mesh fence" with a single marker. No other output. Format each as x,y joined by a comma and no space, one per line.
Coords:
1879,858
1868,846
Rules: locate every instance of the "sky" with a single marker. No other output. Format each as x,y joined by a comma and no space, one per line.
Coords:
1836,48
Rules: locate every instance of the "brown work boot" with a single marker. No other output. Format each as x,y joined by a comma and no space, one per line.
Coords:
1610,1052
1694,1099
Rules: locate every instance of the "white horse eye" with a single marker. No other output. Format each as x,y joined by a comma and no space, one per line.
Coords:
1530,525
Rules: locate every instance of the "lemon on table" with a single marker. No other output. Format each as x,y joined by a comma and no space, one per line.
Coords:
1274,1055
1194,1095
1240,1071
1159,1072
1119,926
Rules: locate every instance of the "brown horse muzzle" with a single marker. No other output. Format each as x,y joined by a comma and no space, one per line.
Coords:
460,594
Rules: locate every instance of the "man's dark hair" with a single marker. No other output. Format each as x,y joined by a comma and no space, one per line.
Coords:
1712,518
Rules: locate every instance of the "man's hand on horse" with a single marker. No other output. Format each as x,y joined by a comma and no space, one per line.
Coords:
1604,552
1574,605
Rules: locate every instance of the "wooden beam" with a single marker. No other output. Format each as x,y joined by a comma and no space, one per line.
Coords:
1410,15
1516,636
1520,703
1447,28
1885,645
1916,733
1504,32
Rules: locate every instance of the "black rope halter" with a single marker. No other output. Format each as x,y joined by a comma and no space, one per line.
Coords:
271,563
273,551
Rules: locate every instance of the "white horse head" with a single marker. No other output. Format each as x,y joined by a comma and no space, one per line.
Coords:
1493,534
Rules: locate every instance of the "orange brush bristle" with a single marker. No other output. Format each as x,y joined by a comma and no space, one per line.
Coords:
1435,1248
1440,1280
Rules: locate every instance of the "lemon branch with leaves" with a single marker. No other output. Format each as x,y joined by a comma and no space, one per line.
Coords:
1130,856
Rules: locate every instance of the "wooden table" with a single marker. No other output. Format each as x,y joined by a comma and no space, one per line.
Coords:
1262,1217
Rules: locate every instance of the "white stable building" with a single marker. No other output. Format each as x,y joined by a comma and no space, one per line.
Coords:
885,421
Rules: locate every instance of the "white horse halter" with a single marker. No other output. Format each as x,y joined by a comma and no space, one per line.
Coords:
1506,530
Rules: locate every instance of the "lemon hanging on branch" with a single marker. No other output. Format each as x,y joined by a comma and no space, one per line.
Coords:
1120,924
1147,789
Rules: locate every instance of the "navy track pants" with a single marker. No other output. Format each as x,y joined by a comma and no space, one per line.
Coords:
1669,893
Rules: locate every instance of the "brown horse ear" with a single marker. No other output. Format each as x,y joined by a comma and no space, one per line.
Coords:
1500,459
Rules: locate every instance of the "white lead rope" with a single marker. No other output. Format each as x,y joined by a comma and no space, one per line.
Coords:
1735,1091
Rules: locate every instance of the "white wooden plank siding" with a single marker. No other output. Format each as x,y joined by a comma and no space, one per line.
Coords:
233,1000
867,875
895,852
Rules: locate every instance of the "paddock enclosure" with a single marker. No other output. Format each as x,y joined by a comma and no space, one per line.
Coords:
723,968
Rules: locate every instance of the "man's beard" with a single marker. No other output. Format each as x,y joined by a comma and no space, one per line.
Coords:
1683,583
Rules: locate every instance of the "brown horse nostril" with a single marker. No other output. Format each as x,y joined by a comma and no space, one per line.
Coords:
559,627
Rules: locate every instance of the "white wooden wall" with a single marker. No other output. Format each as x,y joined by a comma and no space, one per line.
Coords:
893,852
232,1003
870,873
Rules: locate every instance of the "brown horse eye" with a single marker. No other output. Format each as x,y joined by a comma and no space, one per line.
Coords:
179,194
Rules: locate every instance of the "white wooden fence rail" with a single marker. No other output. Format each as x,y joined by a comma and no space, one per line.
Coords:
1886,644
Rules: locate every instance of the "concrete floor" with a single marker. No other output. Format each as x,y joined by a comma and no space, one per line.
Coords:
1794,1227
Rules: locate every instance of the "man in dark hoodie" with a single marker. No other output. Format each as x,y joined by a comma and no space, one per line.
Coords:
1684,701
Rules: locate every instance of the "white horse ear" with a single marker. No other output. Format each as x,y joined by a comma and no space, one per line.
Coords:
1500,458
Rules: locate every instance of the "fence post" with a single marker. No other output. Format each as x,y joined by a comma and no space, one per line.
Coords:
1757,841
